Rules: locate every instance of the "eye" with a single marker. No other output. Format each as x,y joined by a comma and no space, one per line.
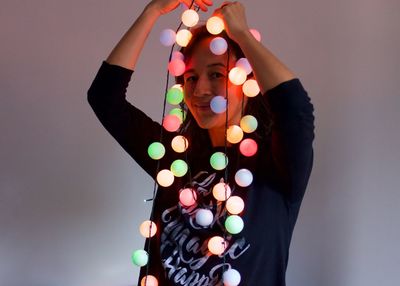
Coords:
216,75
190,78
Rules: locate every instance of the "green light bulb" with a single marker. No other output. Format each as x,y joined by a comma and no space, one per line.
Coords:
140,257
179,113
174,96
234,224
179,168
156,150
219,161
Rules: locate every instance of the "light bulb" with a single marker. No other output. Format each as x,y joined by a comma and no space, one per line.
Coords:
218,46
244,64
217,245
183,37
176,67
140,258
221,192
171,123
204,217
177,55
179,168
148,228
179,144
248,123
174,96
149,280
190,18
237,76
178,112
231,277
234,134
235,205
215,25
234,224
187,197
243,178
251,88
248,147
167,37
218,104
165,178
218,161
156,150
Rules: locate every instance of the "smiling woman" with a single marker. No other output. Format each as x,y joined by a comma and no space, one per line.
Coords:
228,197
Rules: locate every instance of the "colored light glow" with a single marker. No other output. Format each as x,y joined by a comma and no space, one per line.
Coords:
156,150
171,123
248,123
234,224
217,245
183,37
181,114
148,228
231,277
179,144
215,25
179,168
221,192
174,96
177,55
167,37
237,75
218,161
251,88
244,64
190,18
248,147
187,197
140,257
204,217
243,178
256,34
165,178
234,134
176,67
149,280
218,104
218,46
235,205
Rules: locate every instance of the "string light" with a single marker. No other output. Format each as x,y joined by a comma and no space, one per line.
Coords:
179,113
231,277
243,178
204,217
174,96
221,192
215,25
140,257
248,123
217,245
187,197
244,64
165,178
167,37
237,76
179,144
149,280
190,18
234,134
171,123
145,228
183,37
248,147
218,46
218,161
176,67
156,150
179,168
218,104
235,205
234,224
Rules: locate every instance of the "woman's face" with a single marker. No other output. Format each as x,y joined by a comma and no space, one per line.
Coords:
205,77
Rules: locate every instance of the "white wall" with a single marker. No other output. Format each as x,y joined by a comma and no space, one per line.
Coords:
71,199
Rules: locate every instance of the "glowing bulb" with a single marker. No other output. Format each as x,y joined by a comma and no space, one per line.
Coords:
217,245
190,18
179,113
218,104
177,55
187,197
221,192
174,96
244,64
243,178
237,76
248,147
179,168
218,46
171,123
248,123
179,144
256,34
235,205
215,25
234,224
218,161
183,37
149,280
231,277
167,37
140,257
251,88
176,67
204,217
156,150
148,228
165,178
234,134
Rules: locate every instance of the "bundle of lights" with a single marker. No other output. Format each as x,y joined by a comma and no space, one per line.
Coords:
172,122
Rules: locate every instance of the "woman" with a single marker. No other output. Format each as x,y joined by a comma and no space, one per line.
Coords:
179,253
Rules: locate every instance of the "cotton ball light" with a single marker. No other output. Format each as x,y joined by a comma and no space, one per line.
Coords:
187,197
176,67
218,160
149,280
167,37
148,228
251,88
215,25
178,112
221,192
174,96
156,150
179,168
235,205
218,104
248,147
231,277
234,224
140,257
165,178
177,55
204,217
244,64
256,34
171,123
237,75
243,178
183,37
218,46
248,123
217,245
234,134
190,18
179,144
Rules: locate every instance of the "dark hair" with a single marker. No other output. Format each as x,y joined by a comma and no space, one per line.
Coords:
255,106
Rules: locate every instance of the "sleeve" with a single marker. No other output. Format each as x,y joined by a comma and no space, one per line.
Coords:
133,129
292,137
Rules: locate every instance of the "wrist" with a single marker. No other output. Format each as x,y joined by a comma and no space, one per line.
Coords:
152,9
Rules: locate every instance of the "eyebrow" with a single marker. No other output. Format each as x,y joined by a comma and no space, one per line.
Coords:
208,66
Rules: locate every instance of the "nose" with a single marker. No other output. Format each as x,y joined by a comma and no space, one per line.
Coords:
203,87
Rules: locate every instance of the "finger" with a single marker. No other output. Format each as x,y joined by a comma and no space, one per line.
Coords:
201,5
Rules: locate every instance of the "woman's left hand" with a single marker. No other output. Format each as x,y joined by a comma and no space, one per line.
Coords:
233,14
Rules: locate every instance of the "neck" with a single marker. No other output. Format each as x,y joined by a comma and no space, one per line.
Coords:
217,137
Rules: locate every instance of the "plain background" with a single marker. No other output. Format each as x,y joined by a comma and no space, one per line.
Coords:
71,199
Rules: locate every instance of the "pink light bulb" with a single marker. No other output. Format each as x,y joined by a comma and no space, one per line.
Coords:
171,123
176,67
248,147
187,197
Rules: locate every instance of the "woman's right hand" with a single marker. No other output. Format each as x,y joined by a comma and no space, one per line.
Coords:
166,6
